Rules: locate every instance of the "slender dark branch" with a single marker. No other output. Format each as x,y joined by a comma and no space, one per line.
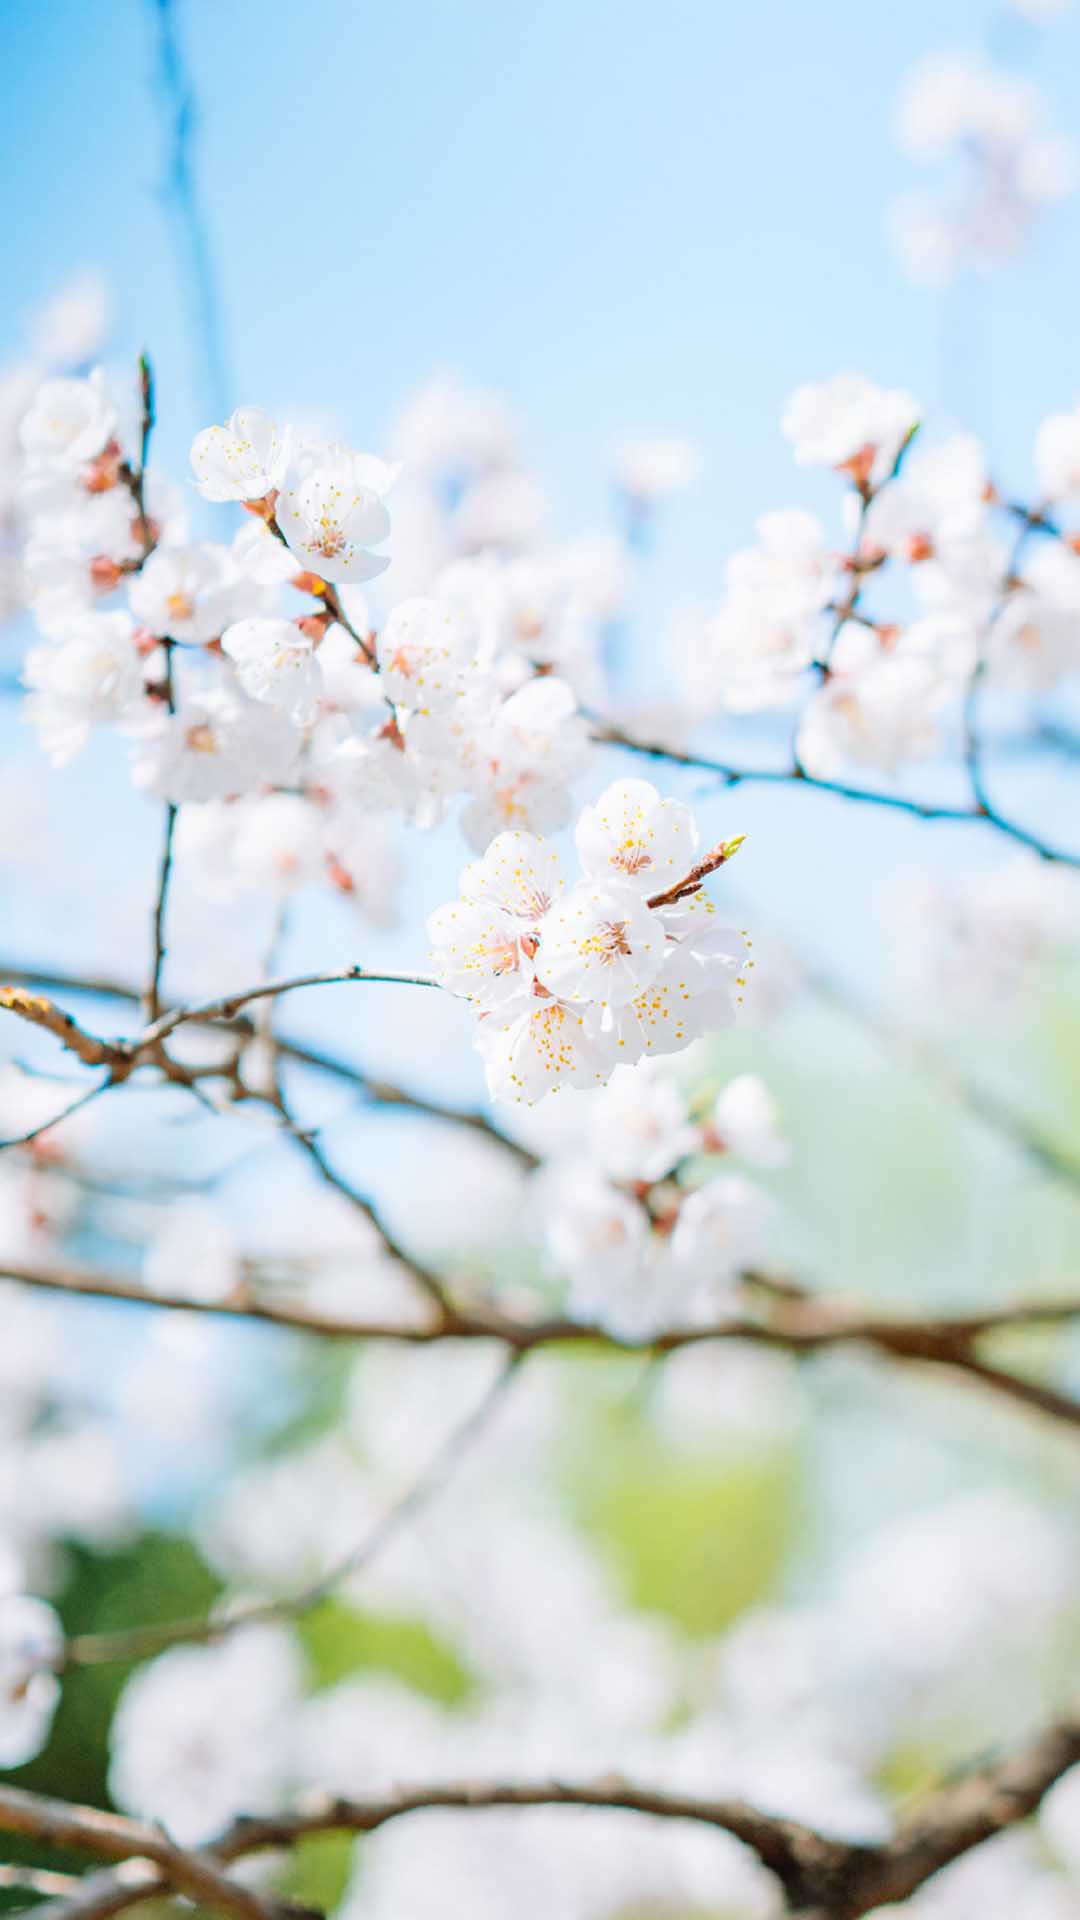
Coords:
609,734
161,892
113,1837
380,1092
82,1099
331,599
428,1282
227,1006
821,1876
797,1322
180,193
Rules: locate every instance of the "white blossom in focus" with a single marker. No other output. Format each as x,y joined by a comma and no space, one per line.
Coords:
600,942
635,837
566,984
531,1048
243,460
331,511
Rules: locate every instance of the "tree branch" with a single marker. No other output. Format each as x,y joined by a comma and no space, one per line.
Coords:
797,1323
112,1836
822,1877
608,733
378,1091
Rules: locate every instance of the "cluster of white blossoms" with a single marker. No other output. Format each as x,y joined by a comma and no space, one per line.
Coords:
643,1226
881,682
631,960
990,127
63,336
226,694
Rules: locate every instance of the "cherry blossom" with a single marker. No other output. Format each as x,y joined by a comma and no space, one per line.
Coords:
850,424
186,593
879,707
1057,455
276,662
600,942
331,511
634,836
217,743
426,653
722,1229
69,423
567,983
89,673
639,1127
531,1048
243,460
996,122
202,1733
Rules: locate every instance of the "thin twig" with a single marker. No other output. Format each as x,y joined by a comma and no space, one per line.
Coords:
228,1005
427,1281
140,1643
81,1100
610,734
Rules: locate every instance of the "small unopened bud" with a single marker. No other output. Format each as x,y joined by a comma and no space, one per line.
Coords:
103,472
314,626
861,464
105,574
263,508
338,875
